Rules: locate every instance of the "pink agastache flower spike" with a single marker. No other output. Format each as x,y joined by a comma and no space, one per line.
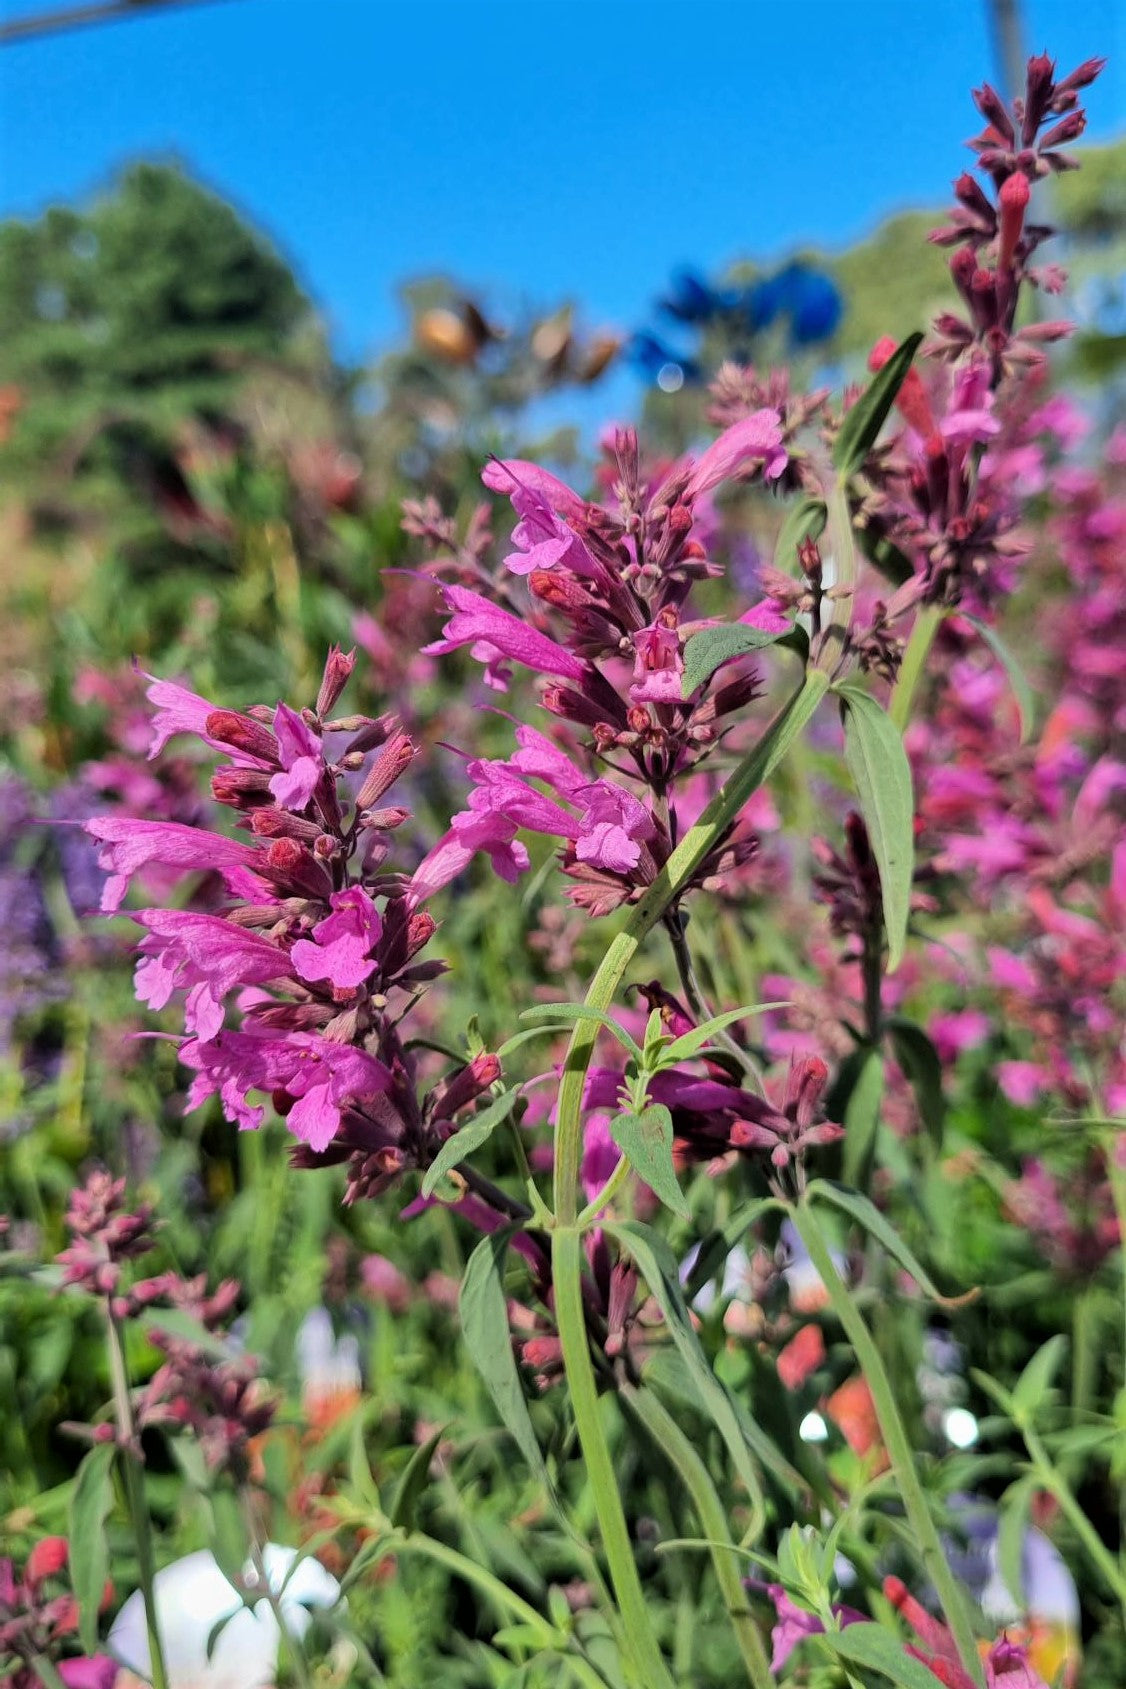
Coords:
301,759
340,950
132,845
475,619
206,955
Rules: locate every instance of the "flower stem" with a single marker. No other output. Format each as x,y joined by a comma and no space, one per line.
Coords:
748,775
295,1653
135,1494
668,1436
566,1257
1053,1481
895,1438
927,623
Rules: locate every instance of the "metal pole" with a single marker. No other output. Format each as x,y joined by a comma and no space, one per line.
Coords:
1008,45
18,30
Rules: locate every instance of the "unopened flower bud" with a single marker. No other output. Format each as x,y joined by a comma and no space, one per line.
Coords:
393,760
420,930
274,823
46,1559
241,788
992,107
1068,129
337,672
384,820
242,734
1014,197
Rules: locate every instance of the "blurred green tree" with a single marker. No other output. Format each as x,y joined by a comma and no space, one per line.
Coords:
119,322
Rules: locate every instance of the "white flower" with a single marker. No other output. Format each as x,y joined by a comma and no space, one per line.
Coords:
193,1595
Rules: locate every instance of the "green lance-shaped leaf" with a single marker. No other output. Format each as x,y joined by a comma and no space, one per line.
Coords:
470,1137
919,1060
484,1323
1018,680
413,1482
1012,1527
645,1139
861,426
882,777
862,1114
657,1265
230,1540
560,1014
690,1043
1035,1381
361,1479
866,1214
708,650
91,1502
872,1646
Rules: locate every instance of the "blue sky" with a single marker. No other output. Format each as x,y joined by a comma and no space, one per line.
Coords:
532,147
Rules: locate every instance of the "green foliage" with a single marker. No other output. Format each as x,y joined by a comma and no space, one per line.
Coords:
882,777
122,320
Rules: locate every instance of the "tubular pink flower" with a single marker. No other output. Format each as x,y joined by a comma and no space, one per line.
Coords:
177,711
766,617
539,759
912,401
453,853
340,950
515,473
544,541
206,955
301,757
756,437
475,618
658,667
132,845
611,826
794,1624
322,1076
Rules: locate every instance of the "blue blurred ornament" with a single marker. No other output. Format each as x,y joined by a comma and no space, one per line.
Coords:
652,359
689,299
813,303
